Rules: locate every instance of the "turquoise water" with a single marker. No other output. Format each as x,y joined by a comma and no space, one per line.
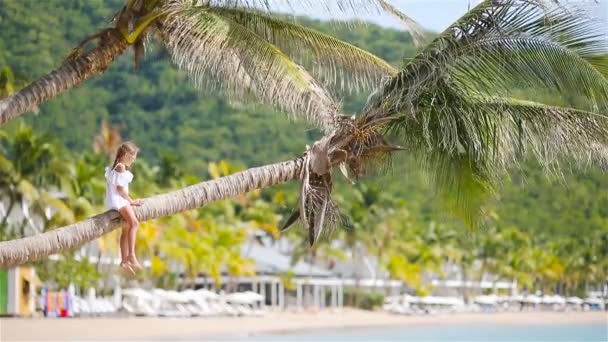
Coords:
469,332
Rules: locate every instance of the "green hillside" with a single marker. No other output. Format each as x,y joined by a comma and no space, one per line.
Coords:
159,109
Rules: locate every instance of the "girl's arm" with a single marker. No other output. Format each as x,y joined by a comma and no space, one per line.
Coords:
123,192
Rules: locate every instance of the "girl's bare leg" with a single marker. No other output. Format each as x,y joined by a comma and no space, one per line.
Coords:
124,249
124,244
128,215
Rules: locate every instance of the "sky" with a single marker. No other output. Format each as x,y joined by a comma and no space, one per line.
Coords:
435,15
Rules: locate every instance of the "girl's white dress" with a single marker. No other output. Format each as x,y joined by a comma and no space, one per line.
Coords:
114,179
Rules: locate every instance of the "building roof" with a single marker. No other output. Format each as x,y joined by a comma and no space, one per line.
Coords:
269,260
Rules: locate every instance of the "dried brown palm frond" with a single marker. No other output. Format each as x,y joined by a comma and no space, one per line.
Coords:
358,148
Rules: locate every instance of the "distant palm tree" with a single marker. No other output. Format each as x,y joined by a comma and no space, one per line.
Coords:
236,46
30,169
201,246
9,83
107,140
458,107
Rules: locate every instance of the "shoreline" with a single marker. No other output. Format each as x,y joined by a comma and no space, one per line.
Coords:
284,323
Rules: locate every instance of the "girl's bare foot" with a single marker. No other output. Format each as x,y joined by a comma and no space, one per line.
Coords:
132,260
126,266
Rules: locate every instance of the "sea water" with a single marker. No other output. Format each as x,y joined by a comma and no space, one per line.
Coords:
468,332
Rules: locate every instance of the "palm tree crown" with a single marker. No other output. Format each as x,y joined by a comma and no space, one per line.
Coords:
509,80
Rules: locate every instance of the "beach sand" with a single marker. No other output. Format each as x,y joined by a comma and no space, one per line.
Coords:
85,329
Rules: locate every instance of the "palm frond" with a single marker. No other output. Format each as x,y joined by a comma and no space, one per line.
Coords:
467,144
410,25
221,53
59,208
509,65
600,62
483,96
562,50
354,7
335,63
502,45
328,6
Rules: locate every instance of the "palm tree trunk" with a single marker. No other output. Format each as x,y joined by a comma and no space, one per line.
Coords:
465,292
20,251
70,74
377,270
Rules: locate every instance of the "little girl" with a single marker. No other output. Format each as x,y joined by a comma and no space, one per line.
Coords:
117,198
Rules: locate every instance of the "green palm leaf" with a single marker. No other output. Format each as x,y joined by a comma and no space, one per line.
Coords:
221,53
344,6
483,96
410,25
528,63
328,6
502,45
334,63
64,214
466,145
560,49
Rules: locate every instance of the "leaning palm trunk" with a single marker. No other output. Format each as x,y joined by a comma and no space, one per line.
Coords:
28,249
71,73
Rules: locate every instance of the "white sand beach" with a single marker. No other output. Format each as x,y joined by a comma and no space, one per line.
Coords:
86,329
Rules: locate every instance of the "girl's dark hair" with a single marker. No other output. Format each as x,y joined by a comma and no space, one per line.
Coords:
125,148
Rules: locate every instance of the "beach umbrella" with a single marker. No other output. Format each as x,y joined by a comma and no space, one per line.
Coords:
574,300
176,297
191,295
553,300
503,299
516,298
256,297
411,299
593,301
207,294
454,301
159,292
239,298
486,300
247,297
170,296
437,300
137,293
427,300
532,299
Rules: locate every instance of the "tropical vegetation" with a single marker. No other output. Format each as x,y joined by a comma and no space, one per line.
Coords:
212,241
463,109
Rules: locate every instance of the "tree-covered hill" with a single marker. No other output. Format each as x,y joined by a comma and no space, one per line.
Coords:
158,105
160,109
